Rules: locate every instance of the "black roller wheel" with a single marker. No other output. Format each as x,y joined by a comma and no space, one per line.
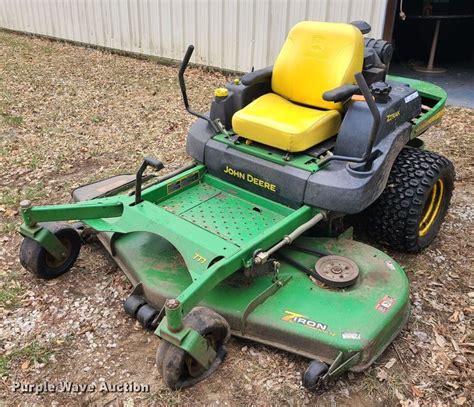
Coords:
146,315
133,304
411,209
35,259
178,369
312,377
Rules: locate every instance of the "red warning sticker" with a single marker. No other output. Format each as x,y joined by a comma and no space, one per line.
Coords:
385,304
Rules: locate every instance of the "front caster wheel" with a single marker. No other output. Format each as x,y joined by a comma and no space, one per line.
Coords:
178,369
35,259
312,377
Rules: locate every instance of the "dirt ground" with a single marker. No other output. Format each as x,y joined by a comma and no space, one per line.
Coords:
70,115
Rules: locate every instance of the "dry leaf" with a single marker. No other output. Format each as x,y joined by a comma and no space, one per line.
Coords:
382,375
417,392
454,317
25,365
460,400
440,340
453,385
390,363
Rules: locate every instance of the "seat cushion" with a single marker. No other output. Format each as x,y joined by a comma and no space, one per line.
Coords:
277,122
317,57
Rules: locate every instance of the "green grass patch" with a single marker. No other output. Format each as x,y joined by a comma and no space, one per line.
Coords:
12,120
36,159
10,297
9,198
34,352
97,119
7,227
12,198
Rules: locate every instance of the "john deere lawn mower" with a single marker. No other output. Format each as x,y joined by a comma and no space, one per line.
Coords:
249,239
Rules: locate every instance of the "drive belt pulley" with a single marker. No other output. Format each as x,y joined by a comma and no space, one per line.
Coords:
332,270
337,271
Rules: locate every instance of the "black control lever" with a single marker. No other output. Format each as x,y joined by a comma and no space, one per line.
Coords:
364,89
147,162
182,85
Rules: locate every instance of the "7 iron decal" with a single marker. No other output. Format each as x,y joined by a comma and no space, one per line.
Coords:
305,321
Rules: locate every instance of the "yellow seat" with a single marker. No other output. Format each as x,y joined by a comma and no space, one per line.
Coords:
316,57
275,121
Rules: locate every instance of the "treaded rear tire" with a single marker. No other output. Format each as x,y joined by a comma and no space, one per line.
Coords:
395,218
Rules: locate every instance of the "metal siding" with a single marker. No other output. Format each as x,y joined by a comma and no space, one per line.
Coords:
231,34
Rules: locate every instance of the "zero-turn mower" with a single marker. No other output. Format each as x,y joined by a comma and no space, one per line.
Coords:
249,238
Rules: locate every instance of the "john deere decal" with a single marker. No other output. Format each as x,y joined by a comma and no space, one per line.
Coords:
301,319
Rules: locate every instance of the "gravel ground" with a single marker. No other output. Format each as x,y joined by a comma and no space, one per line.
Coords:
70,115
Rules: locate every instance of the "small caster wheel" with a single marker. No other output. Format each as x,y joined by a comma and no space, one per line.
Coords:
312,376
35,259
178,369
133,304
146,315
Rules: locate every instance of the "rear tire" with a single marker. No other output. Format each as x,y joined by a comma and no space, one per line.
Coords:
411,209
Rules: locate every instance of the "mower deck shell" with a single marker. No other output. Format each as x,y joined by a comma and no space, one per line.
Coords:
290,312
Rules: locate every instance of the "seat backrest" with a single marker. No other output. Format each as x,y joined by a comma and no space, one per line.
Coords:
317,57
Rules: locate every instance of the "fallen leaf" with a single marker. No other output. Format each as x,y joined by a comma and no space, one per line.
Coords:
382,375
440,340
417,392
453,385
460,400
460,360
454,317
390,363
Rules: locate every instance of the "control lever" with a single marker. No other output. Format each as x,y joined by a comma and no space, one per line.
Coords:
216,125
364,89
147,162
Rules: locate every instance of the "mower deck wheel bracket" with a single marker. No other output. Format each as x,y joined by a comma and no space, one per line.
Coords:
337,271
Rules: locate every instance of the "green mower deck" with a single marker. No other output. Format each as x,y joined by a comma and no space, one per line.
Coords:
290,312
193,235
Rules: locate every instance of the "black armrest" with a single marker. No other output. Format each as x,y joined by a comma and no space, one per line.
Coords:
258,76
341,93
363,26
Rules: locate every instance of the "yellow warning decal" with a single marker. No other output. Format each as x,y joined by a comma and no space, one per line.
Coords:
393,115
